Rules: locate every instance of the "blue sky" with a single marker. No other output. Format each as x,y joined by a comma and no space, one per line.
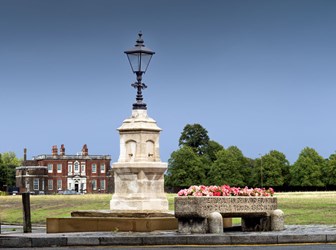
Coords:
256,74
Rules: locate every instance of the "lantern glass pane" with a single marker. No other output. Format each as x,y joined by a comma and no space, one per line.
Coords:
134,61
145,59
139,61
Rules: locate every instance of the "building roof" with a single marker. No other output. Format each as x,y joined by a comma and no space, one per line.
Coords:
72,157
31,167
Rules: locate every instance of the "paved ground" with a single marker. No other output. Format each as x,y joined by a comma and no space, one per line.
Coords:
13,237
208,247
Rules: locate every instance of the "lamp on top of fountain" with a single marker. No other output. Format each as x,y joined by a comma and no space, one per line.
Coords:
139,58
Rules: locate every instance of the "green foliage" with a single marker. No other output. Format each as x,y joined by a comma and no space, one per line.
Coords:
212,149
247,171
306,171
185,168
329,171
273,169
196,137
8,163
190,164
227,168
200,160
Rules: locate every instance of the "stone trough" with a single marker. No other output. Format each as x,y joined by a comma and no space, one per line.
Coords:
204,214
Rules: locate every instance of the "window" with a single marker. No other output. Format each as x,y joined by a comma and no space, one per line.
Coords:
76,167
69,168
50,184
94,184
83,167
102,168
59,168
94,168
59,184
102,184
36,184
42,188
50,168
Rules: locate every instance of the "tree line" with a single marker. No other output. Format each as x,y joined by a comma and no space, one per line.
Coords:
8,164
200,160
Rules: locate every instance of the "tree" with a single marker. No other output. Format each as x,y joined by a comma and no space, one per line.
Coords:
211,150
329,171
196,137
247,172
306,171
227,168
274,167
185,168
8,164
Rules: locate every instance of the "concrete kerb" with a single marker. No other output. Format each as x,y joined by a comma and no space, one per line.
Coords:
293,234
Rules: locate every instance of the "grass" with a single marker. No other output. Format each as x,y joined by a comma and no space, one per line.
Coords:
299,207
308,207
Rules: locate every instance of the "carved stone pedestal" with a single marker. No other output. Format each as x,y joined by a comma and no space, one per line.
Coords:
139,172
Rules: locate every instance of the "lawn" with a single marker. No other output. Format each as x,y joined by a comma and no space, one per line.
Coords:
299,207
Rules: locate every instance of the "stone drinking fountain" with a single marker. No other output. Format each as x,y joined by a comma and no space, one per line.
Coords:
139,203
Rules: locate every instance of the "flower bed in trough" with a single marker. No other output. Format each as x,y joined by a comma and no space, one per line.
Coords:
196,206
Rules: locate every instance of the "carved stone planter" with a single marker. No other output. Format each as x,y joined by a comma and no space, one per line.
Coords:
193,213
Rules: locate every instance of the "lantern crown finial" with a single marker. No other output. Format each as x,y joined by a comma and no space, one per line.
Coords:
139,41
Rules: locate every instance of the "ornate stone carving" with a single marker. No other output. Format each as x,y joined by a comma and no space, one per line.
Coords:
229,206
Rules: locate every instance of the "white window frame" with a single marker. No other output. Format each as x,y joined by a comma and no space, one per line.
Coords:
36,184
76,167
59,170
94,168
102,168
102,185
70,168
59,184
83,167
94,184
50,184
50,168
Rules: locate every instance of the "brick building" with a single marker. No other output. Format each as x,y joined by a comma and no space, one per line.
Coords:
58,172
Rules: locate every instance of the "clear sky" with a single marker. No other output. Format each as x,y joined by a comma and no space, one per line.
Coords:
259,74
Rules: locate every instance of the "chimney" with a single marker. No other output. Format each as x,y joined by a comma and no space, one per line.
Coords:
62,150
24,154
85,150
54,150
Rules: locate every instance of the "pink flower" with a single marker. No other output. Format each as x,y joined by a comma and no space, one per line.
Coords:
225,190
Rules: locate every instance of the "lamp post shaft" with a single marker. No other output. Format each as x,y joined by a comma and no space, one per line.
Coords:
139,98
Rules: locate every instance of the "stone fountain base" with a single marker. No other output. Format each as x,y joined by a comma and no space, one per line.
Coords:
110,221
